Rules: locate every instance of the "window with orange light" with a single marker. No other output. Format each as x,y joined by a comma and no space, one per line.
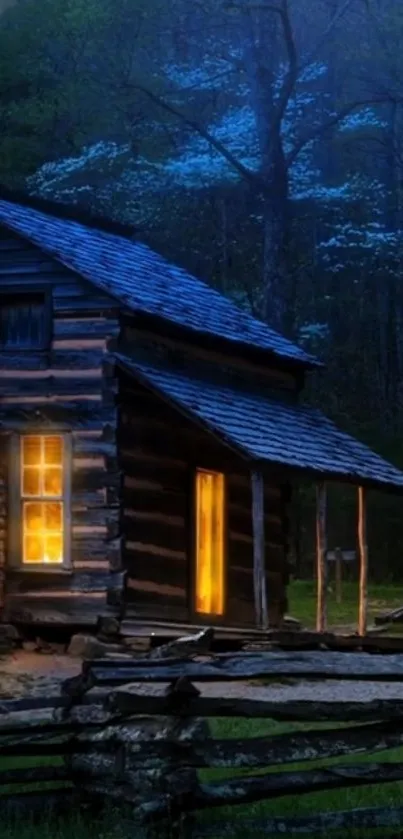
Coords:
210,553
42,499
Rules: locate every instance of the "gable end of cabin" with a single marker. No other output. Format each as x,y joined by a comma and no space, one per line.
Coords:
59,476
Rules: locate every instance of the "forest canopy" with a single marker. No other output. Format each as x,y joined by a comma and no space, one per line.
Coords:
275,126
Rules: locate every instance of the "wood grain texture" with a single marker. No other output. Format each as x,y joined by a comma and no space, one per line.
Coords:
309,665
321,563
69,387
259,570
160,451
363,559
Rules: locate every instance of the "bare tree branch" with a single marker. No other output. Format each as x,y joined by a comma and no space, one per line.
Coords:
325,34
330,123
292,72
246,173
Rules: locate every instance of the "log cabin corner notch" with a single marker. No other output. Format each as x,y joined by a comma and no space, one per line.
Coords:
150,433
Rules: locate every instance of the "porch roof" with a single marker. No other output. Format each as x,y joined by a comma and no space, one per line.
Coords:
266,430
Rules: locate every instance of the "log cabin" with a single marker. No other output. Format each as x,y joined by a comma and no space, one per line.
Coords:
150,435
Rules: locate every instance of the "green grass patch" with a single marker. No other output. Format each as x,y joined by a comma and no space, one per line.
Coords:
381,598
295,806
298,806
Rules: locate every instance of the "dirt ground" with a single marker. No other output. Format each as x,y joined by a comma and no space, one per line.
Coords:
23,673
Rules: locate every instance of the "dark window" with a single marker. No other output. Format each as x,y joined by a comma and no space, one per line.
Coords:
23,321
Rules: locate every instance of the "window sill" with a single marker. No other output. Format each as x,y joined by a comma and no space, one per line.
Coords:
43,569
44,348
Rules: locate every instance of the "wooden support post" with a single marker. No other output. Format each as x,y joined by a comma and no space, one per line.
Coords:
321,562
338,574
259,565
363,554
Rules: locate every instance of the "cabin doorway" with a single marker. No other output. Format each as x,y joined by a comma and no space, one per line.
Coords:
210,589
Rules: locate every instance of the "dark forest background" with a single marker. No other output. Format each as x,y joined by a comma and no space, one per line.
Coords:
259,143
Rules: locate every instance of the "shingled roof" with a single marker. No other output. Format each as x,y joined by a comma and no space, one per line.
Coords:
264,429
144,281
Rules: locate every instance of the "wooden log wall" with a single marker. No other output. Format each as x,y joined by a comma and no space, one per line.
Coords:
71,387
160,451
199,352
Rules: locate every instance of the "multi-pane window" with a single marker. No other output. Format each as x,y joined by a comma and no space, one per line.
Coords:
210,553
24,321
42,499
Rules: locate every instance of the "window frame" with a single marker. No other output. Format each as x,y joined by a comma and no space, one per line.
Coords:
18,291
16,500
203,617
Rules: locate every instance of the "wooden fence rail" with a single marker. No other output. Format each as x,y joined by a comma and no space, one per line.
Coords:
304,665
150,752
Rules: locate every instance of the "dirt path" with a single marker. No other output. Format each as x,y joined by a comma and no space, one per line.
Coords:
23,673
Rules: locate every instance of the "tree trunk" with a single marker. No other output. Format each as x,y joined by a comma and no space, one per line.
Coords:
277,308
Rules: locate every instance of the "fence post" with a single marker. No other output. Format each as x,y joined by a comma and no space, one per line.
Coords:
321,616
259,565
363,553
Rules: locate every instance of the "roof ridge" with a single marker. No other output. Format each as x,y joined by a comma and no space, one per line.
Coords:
67,212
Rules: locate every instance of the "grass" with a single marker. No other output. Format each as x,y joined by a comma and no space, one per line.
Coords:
297,806
111,827
302,603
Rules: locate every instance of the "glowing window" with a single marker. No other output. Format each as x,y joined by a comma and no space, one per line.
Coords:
210,493
42,482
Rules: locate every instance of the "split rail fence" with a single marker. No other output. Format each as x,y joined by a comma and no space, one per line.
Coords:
143,751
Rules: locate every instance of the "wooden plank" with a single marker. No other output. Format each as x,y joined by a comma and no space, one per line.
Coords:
93,478
299,746
78,414
200,796
153,550
259,575
52,386
54,359
157,538
15,272
96,305
142,500
195,352
321,569
125,700
84,446
93,517
148,589
304,664
43,720
159,570
393,616
363,554
165,608
84,328
55,608
92,548
31,582
273,785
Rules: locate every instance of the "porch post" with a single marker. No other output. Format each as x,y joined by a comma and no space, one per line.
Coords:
321,562
259,569
363,554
